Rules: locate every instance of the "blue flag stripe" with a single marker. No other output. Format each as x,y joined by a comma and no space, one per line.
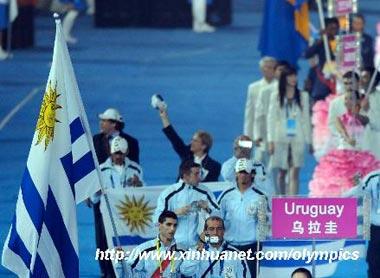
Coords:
39,270
351,242
60,236
77,171
32,201
83,167
67,164
130,240
17,245
76,129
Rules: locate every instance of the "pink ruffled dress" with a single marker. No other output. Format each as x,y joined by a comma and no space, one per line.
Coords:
336,170
321,133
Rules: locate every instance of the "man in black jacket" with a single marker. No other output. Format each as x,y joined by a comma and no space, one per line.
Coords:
111,125
366,41
198,149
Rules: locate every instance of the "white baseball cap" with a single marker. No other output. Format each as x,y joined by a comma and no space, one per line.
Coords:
119,144
243,164
111,114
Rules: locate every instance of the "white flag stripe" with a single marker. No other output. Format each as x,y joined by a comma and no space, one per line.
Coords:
14,263
28,236
49,254
80,148
82,187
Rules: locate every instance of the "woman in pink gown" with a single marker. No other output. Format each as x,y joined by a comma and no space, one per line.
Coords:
336,170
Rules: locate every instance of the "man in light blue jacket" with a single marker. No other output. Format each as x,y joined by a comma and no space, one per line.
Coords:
188,200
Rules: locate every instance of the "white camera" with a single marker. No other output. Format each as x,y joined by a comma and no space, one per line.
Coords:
158,102
245,144
212,239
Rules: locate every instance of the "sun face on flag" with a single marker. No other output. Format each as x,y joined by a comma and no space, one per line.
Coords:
46,119
136,213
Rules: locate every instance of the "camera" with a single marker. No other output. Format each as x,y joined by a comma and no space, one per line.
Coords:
158,102
212,239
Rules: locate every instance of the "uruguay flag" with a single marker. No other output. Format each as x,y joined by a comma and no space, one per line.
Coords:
60,172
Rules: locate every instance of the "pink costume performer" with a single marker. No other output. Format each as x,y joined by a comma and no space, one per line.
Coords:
321,133
336,170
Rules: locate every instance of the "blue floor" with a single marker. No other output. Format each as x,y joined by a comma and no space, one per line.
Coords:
203,78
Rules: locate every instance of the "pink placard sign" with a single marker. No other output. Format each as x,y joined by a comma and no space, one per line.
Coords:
343,7
350,51
314,218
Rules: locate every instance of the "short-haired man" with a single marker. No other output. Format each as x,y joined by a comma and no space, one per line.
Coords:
242,148
263,86
301,272
187,199
198,150
321,88
239,207
366,41
157,265
227,264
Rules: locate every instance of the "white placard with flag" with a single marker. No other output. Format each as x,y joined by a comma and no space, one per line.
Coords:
133,210
60,172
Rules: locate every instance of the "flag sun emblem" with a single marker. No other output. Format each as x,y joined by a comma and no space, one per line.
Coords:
136,213
46,118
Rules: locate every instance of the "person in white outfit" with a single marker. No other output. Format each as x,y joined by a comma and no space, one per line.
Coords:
289,130
73,7
199,12
371,106
337,107
257,92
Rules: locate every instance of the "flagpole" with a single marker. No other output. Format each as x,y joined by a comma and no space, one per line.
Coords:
9,32
373,78
323,27
96,162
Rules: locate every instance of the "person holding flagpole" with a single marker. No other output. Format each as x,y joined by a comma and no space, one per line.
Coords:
118,171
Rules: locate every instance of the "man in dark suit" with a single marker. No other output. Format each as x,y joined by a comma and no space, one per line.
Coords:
322,87
111,125
366,41
198,149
